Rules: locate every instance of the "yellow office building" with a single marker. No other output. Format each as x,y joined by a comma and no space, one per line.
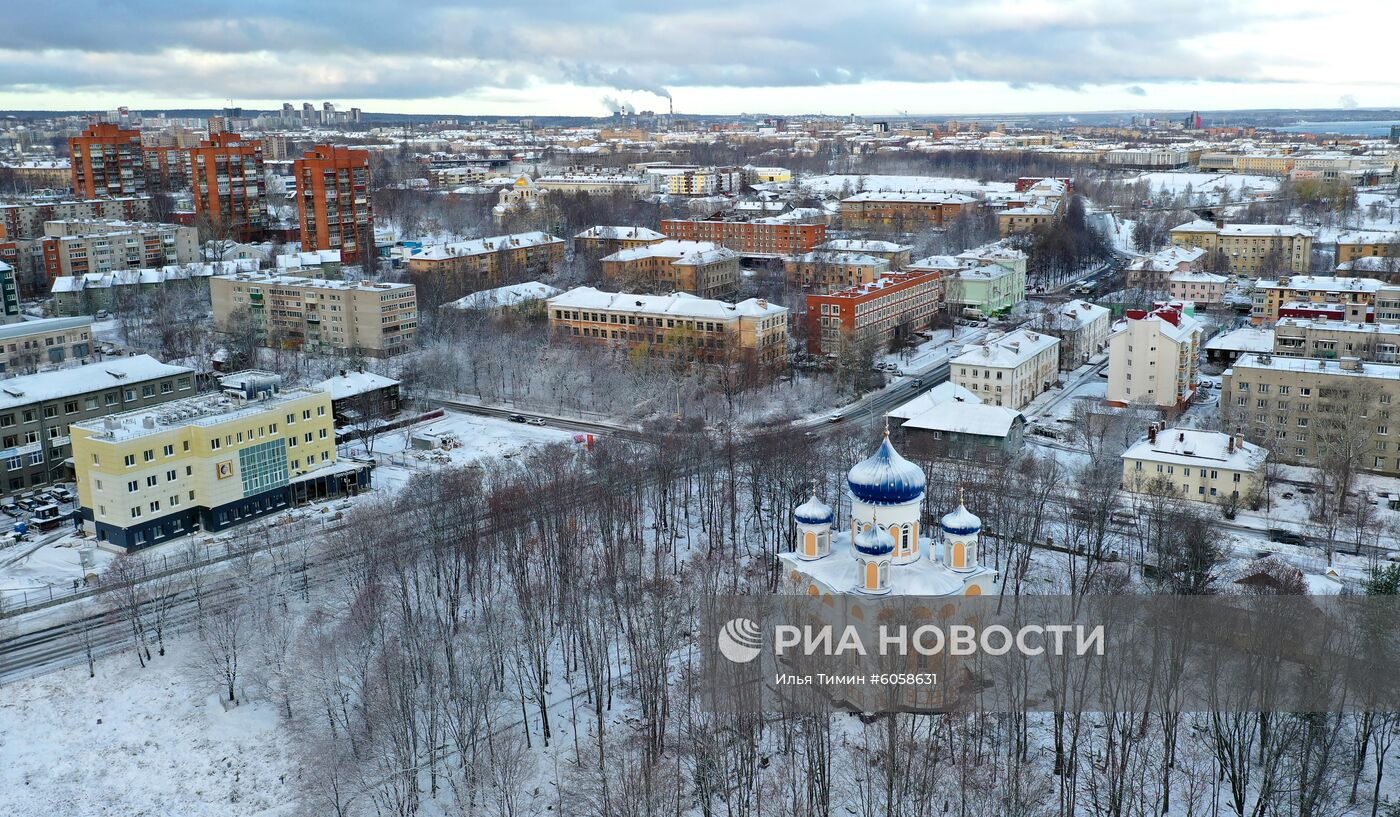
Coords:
210,461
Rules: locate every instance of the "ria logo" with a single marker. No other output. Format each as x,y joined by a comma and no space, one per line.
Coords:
740,640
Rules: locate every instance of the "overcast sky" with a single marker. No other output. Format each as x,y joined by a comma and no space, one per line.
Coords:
778,56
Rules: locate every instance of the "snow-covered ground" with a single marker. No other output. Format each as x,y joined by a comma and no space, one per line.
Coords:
835,183
471,438
134,741
1207,186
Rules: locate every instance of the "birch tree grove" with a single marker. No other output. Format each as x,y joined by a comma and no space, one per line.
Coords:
517,637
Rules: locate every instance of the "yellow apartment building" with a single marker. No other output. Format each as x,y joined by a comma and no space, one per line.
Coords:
678,327
317,314
1250,248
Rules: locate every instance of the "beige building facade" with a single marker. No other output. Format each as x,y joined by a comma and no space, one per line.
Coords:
1009,370
315,314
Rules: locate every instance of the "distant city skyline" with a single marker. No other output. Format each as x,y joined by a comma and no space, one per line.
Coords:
937,58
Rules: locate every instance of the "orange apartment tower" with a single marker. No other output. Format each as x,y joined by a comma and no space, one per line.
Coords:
107,161
333,200
228,185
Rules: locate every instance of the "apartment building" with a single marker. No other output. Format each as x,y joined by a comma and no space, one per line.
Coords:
206,463
1315,296
451,271
888,309
700,268
751,239
1153,358
38,410
1152,273
603,240
1352,246
679,327
9,294
27,220
1333,339
1250,249
28,346
899,255
334,203
1204,466
167,168
1009,369
81,246
594,183
229,189
985,289
1027,218
107,160
1201,288
701,181
316,314
904,212
1148,158
997,252
1304,410
1082,328
822,271
96,291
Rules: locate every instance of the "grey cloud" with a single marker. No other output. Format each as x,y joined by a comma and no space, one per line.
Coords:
1136,90
419,49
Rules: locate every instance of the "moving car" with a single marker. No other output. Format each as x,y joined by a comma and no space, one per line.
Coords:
534,421
517,418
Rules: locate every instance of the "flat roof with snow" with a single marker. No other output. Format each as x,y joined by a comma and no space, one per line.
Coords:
34,388
679,304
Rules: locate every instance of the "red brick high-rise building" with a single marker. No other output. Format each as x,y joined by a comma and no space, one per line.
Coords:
333,200
228,185
107,160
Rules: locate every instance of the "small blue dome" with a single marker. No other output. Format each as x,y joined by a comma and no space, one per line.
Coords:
813,512
960,521
886,478
874,542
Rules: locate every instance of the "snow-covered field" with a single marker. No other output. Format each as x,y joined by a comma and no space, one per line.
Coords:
473,437
1175,183
835,183
164,745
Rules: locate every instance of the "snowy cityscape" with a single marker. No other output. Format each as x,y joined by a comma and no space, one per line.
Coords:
443,445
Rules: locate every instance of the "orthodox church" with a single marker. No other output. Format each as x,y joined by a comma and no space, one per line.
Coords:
883,548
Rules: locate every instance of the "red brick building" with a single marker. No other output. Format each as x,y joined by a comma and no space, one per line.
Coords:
333,201
889,308
107,161
227,181
751,238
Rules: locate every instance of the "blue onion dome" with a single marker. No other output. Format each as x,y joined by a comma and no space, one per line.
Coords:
874,542
960,521
813,512
886,478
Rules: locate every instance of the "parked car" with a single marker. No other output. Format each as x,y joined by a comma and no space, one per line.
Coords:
1287,537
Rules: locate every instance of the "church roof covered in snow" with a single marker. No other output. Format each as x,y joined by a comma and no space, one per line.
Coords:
813,512
960,521
886,478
